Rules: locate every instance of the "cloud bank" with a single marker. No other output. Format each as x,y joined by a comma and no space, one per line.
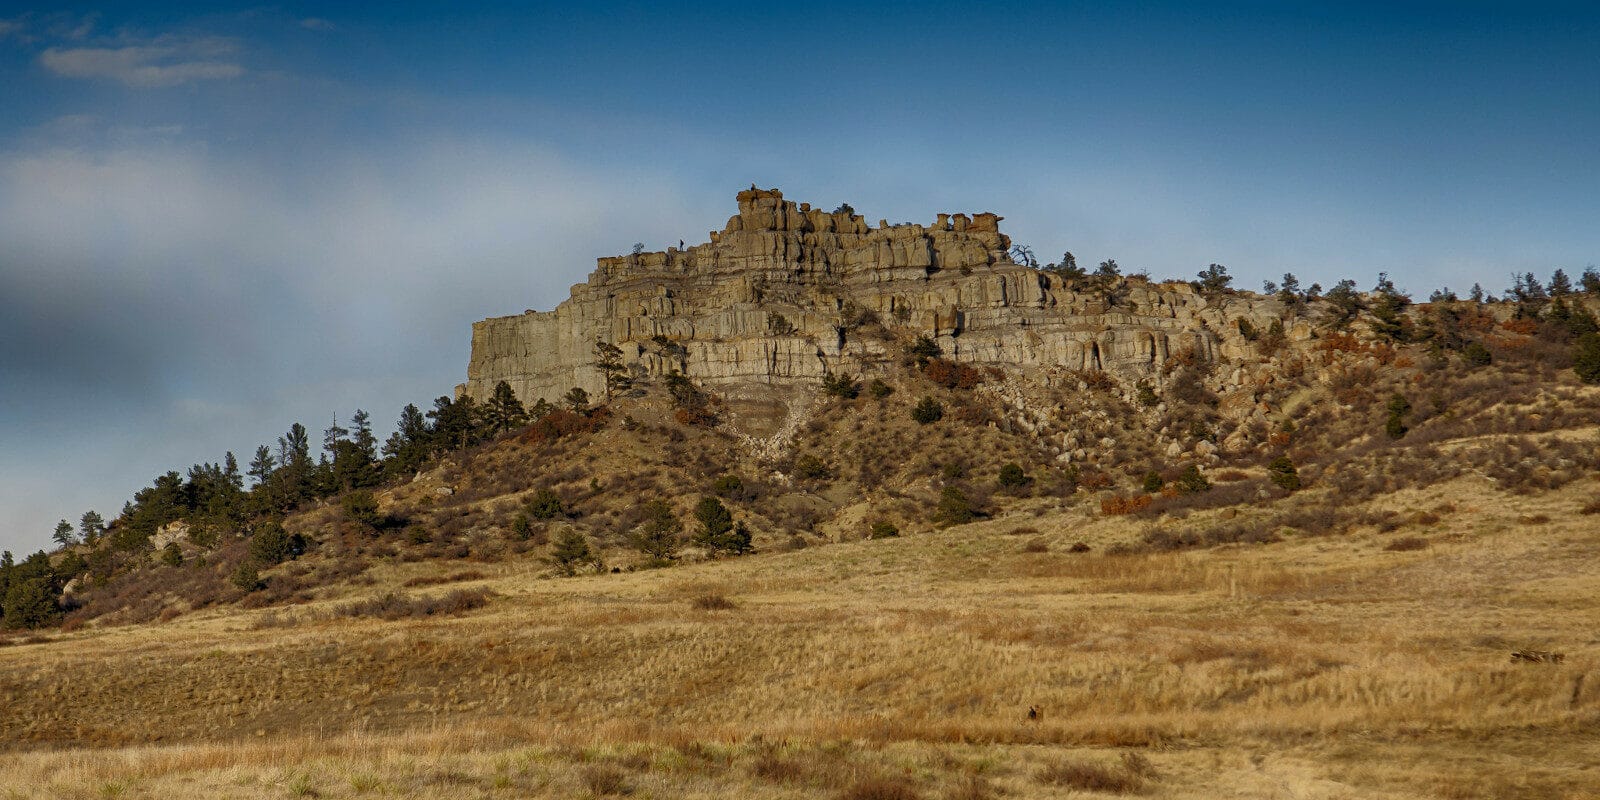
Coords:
163,63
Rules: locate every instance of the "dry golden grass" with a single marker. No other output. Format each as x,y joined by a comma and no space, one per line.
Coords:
1316,668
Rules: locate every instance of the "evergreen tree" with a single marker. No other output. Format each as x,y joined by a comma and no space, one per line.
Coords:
1586,358
577,400
570,550
333,436
1590,280
954,508
1289,291
230,471
1213,279
31,591
64,535
658,536
91,525
262,465
1068,269
1476,295
1388,312
1560,284
1344,304
718,533
408,447
455,423
608,359
504,411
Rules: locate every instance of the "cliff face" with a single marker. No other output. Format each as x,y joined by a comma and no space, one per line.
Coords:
785,293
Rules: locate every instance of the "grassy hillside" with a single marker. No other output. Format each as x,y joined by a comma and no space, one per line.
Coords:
1317,667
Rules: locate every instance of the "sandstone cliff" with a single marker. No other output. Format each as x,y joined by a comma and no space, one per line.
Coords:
786,293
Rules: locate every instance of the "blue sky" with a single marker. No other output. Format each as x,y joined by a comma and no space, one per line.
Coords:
216,223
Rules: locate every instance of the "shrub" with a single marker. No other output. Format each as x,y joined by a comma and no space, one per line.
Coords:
883,529
728,486
954,508
1146,396
881,789
1117,505
811,468
841,386
545,504
1407,543
927,411
878,389
1152,482
1283,473
1398,407
1012,476
521,528
604,779
951,375
246,577
713,601
171,555
269,544
922,350
1190,481
393,605
1476,355
1090,777
361,507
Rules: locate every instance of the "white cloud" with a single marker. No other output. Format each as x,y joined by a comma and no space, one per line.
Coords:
163,62
317,24
11,26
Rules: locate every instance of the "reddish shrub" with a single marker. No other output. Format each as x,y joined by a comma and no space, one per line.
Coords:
951,375
1117,504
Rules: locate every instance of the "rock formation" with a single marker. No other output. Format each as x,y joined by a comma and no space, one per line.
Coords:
786,294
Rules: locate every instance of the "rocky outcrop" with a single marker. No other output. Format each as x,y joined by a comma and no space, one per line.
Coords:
786,293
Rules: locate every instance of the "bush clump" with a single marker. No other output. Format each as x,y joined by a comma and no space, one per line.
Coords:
927,411
954,508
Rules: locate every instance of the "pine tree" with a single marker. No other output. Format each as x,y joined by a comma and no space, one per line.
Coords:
1586,358
91,525
408,446
577,400
571,550
1398,407
658,536
1213,279
262,465
504,411
1344,304
608,359
64,535
1388,313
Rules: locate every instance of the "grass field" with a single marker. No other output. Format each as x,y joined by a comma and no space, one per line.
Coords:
1326,667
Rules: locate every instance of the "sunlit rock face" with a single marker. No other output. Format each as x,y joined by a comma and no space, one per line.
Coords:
786,293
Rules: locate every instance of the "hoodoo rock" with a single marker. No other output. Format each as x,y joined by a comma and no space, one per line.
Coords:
787,294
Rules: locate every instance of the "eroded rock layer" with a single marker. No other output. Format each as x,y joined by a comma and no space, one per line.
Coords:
787,293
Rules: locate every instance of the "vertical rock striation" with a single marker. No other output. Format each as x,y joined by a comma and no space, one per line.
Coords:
786,293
